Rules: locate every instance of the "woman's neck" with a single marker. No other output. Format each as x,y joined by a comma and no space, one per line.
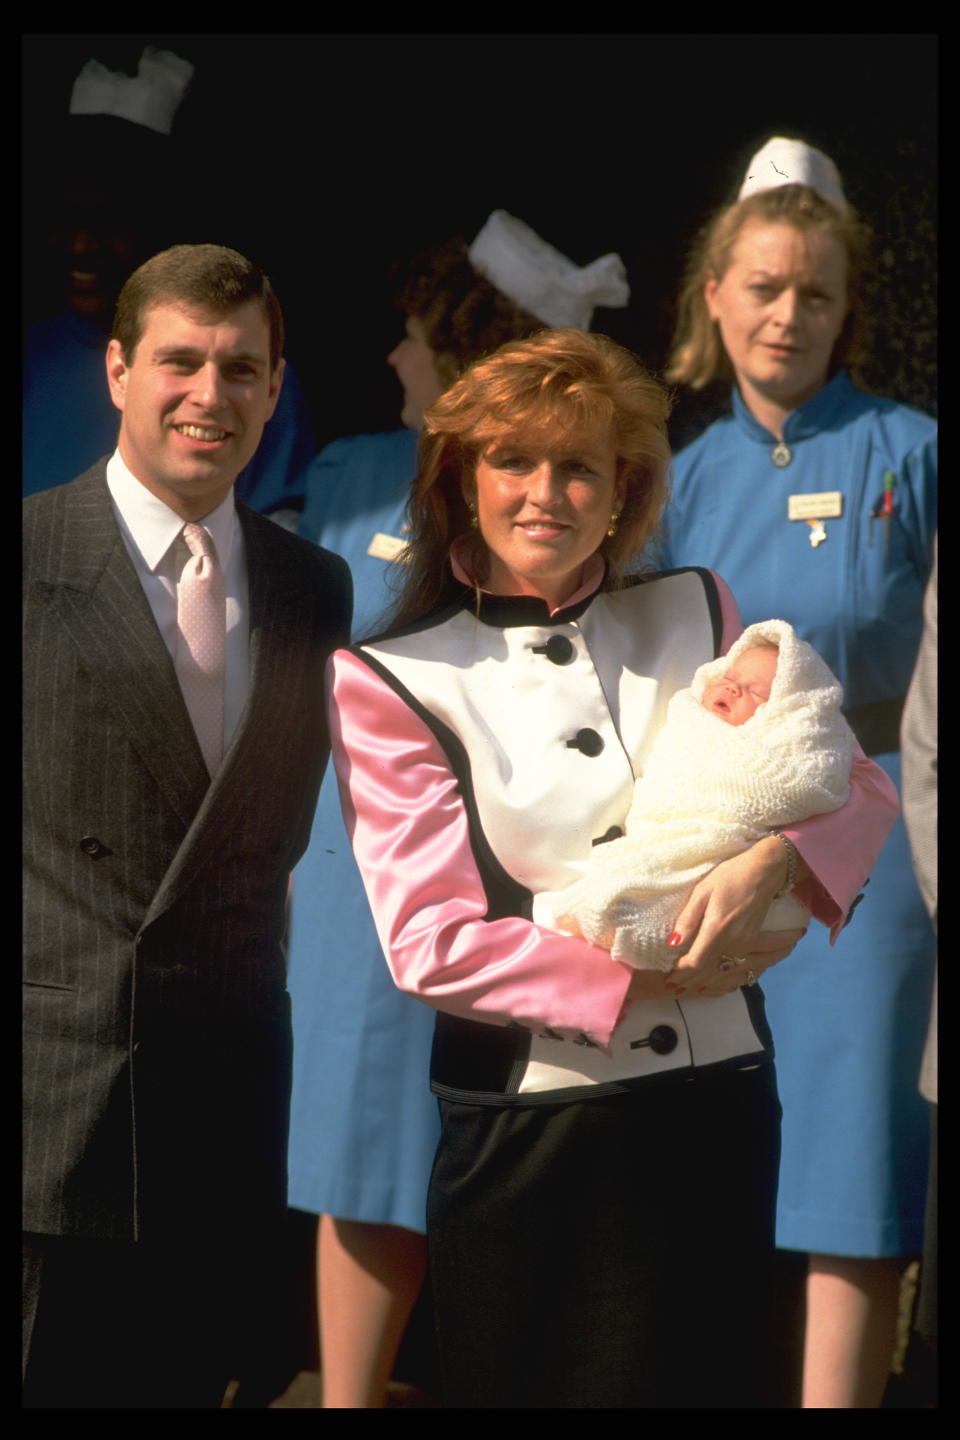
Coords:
771,411
589,577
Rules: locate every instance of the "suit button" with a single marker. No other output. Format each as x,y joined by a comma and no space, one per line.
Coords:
558,650
662,1039
93,847
588,742
613,833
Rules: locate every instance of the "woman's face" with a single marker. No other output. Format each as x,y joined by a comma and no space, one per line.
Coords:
413,360
780,306
543,509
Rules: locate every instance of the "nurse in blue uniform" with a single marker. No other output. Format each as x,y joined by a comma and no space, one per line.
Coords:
364,1125
816,502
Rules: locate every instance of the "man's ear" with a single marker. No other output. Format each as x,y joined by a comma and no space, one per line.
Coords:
116,374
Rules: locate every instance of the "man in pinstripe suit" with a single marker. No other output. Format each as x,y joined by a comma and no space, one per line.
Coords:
157,1043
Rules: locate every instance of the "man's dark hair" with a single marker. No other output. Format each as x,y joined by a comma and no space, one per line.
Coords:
207,278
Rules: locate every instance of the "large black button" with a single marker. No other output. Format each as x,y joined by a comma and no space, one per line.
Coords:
588,742
613,833
662,1039
558,650
93,847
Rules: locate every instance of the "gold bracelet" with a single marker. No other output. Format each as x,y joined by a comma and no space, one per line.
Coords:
792,858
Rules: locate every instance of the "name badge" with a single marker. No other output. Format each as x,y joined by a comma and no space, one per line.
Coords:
824,505
385,547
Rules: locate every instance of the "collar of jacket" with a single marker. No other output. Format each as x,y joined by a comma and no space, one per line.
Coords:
806,420
504,611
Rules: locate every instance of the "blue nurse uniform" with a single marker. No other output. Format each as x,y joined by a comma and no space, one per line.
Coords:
364,1125
848,1021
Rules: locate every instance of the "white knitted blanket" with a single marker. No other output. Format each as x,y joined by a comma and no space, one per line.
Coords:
709,790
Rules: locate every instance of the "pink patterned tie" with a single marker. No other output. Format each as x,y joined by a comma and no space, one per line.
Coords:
202,642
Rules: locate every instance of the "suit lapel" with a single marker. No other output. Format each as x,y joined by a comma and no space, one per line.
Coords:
101,604
280,607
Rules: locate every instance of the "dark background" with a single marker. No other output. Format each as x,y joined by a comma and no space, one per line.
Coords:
327,157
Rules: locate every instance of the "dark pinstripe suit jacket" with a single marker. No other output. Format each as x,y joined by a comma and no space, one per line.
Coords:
157,1045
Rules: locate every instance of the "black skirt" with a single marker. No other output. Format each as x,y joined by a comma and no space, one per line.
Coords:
609,1253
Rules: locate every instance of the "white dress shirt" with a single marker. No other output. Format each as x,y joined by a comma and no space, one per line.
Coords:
150,529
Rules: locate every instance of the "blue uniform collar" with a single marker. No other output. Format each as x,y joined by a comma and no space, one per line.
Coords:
806,420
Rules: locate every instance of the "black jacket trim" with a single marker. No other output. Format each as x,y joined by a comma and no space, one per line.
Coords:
504,896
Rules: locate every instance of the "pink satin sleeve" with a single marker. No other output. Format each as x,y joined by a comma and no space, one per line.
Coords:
409,830
841,848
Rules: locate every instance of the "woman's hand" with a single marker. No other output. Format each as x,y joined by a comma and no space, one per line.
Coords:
721,921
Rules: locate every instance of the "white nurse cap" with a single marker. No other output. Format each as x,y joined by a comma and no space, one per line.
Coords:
538,278
150,98
793,162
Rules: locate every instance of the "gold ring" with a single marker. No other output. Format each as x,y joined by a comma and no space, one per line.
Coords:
735,959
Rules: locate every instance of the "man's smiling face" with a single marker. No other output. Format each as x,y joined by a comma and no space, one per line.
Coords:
194,400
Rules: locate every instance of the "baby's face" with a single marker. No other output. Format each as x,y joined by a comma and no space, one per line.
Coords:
744,685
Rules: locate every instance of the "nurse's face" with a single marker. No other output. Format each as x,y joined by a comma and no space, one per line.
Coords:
780,306
543,509
413,360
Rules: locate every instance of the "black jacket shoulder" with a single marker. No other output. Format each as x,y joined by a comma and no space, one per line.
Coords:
301,556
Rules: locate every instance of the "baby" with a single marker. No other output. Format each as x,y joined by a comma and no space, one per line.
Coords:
744,684
757,742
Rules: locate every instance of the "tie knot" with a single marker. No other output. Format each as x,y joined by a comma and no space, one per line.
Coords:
198,542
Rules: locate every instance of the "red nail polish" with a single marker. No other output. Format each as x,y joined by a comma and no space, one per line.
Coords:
675,939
